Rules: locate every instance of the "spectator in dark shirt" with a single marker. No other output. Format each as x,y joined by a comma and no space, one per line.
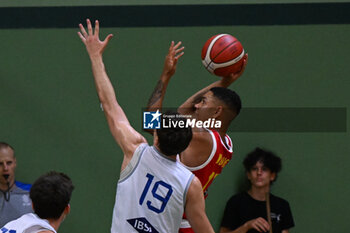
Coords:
247,211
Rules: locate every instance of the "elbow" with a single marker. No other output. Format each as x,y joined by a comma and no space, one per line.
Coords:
109,106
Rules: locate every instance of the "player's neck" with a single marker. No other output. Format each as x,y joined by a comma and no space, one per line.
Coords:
171,157
4,186
259,193
222,131
55,223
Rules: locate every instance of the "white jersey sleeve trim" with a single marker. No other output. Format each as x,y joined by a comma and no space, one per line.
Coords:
208,160
130,168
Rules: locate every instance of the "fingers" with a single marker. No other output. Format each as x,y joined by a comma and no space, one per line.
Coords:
89,26
83,34
174,50
82,29
174,47
179,55
108,38
241,71
179,50
171,46
261,225
245,61
177,45
81,37
97,27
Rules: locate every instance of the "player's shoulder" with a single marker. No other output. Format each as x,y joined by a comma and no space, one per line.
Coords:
202,134
195,187
183,169
201,140
196,182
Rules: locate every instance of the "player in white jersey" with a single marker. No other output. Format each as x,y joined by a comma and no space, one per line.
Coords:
50,196
28,223
154,190
151,193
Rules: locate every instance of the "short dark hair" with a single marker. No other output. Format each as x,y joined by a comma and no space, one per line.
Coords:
269,159
229,97
173,140
5,145
51,194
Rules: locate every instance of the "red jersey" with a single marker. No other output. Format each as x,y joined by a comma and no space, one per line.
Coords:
220,155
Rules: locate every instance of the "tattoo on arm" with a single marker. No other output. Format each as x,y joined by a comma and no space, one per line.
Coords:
157,93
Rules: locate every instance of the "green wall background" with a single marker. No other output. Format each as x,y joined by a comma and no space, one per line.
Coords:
50,112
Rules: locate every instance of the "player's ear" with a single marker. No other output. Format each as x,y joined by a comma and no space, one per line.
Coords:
273,176
67,209
218,111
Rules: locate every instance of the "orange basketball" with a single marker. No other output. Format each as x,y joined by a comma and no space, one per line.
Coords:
222,55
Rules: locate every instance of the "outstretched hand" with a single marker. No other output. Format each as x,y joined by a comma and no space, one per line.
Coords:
171,59
94,45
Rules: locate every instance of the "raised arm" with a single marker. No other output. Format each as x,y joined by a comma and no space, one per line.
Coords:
188,106
175,52
195,208
155,102
127,138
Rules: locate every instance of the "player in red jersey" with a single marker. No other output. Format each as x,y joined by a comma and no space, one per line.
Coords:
220,155
210,149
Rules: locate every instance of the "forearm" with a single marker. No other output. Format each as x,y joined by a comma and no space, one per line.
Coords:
202,224
242,229
103,85
190,102
126,137
187,107
259,224
156,100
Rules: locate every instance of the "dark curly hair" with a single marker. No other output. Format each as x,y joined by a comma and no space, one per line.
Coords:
269,159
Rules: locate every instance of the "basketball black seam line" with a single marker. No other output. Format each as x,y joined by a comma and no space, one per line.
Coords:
211,60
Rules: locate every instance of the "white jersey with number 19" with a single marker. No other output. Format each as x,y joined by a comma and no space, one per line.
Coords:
151,193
